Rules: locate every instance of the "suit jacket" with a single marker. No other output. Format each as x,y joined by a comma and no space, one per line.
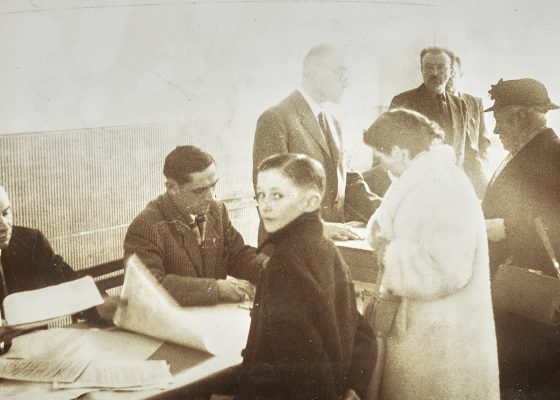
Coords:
291,127
466,153
476,125
307,339
527,187
160,235
29,262
377,179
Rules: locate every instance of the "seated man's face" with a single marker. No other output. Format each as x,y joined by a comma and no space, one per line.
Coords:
6,219
196,196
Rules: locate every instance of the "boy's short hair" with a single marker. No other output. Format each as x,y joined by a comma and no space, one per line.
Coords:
304,171
184,161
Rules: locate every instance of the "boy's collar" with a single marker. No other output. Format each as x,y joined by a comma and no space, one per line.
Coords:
310,222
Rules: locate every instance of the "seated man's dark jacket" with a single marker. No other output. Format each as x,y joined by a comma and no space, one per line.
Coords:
307,339
165,241
30,263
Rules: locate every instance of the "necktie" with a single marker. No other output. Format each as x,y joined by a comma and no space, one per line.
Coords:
333,148
201,224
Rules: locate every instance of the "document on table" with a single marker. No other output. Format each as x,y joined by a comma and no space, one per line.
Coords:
122,375
42,370
84,343
37,307
148,308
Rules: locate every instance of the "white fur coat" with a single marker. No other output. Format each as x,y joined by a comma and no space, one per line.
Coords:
443,343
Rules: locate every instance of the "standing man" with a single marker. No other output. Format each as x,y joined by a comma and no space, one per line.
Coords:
448,110
300,124
525,186
476,126
186,239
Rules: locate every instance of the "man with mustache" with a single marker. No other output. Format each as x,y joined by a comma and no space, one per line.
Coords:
186,238
448,110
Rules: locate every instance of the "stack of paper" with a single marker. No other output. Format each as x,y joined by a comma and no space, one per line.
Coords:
79,361
25,310
41,370
147,308
122,375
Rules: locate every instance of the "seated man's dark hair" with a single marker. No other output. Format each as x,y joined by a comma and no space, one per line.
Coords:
304,171
184,161
403,128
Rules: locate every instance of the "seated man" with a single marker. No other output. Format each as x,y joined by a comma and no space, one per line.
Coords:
27,261
186,239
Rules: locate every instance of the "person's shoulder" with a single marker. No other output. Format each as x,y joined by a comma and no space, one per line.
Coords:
24,237
409,93
286,106
407,98
23,231
149,215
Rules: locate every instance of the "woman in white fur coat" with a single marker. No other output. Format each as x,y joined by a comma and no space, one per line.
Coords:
429,236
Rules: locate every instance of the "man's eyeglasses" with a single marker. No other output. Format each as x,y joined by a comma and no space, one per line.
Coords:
341,74
436,67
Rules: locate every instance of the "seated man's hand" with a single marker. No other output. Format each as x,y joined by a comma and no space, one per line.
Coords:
109,307
495,229
337,231
234,290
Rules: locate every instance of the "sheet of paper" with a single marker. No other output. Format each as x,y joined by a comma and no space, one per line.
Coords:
42,370
149,309
56,301
129,375
18,390
94,344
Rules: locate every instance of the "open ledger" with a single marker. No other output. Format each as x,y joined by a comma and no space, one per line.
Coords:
33,308
147,308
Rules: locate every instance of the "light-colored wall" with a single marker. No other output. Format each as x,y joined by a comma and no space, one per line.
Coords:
119,63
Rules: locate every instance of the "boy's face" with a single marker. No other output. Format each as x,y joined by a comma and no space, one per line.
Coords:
280,201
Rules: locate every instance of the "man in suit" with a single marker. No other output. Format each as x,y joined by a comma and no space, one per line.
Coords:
186,238
525,186
27,260
300,124
476,126
448,110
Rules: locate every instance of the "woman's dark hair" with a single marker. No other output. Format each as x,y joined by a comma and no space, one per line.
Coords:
304,171
184,161
403,128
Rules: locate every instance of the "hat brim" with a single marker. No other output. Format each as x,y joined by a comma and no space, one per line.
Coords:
551,106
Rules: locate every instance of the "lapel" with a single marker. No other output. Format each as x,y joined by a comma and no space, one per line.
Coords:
180,224
213,233
310,122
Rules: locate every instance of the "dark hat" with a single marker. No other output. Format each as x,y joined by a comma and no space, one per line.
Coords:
520,92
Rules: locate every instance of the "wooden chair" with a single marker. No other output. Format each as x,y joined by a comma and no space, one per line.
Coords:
107,276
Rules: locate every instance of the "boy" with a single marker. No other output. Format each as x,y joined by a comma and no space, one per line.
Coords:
307,339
